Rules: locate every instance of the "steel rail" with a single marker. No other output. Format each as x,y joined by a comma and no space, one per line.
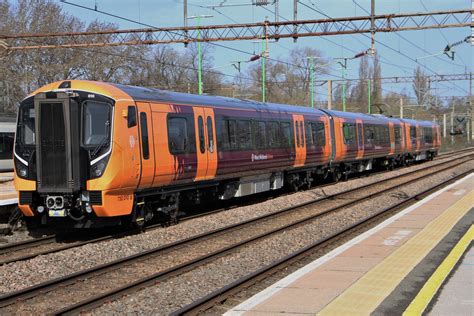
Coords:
25,244
34,243
117,292
220,295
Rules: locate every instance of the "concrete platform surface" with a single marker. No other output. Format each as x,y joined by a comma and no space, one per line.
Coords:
8,194
357,277
456,297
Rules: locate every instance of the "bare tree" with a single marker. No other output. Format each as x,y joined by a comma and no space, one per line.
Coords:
288,81
421,86
359,94
24,71
376,77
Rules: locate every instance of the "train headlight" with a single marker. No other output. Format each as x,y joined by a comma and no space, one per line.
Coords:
50,202
23,172
89,209
97,169
21,169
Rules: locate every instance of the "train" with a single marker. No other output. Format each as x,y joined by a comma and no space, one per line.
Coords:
7,138
93,153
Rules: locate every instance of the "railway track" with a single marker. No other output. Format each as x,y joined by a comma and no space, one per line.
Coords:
216,301
29,249
116,278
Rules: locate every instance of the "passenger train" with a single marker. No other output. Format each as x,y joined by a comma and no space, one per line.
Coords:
7,136
94,153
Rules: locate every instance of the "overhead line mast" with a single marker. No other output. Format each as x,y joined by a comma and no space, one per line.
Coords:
246,31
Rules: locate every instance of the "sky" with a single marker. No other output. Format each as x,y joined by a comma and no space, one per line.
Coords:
416,44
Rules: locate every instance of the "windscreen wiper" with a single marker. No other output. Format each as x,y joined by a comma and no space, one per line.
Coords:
103,140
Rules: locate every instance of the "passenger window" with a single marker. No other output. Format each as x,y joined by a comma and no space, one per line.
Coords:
398,134
302,133
320,134
210,134
359,134
297,130
285,135
308,133
131,116
229,134
428,134
413,135
245,134
202,141
369,134
260,135
177,135
144,129
381,135
349,133
272,134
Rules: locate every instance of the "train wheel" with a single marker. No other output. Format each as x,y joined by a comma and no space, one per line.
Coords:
138,218
336,175
391,166
294,187
345,175
405,162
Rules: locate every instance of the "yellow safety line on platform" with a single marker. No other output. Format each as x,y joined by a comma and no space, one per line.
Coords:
431,287
366,294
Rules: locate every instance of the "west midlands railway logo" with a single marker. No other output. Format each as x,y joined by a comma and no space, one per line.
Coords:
261,157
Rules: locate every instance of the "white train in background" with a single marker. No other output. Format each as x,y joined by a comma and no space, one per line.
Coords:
7,139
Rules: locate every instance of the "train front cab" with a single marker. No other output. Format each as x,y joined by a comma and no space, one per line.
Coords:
72,155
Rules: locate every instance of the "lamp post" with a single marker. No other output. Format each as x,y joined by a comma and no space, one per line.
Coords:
369,92
199,17
343,69
264,59
312,73
264,55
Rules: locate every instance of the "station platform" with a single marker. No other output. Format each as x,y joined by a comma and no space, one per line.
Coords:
394,268
8,195
6,176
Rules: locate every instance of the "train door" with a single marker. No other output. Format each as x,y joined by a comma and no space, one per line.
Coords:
402,137
419,137
391,132
360,140
206,147
298,125
408,137
145,127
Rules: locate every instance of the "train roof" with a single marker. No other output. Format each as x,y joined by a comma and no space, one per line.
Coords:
124,92
363,116
152,94
422,123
